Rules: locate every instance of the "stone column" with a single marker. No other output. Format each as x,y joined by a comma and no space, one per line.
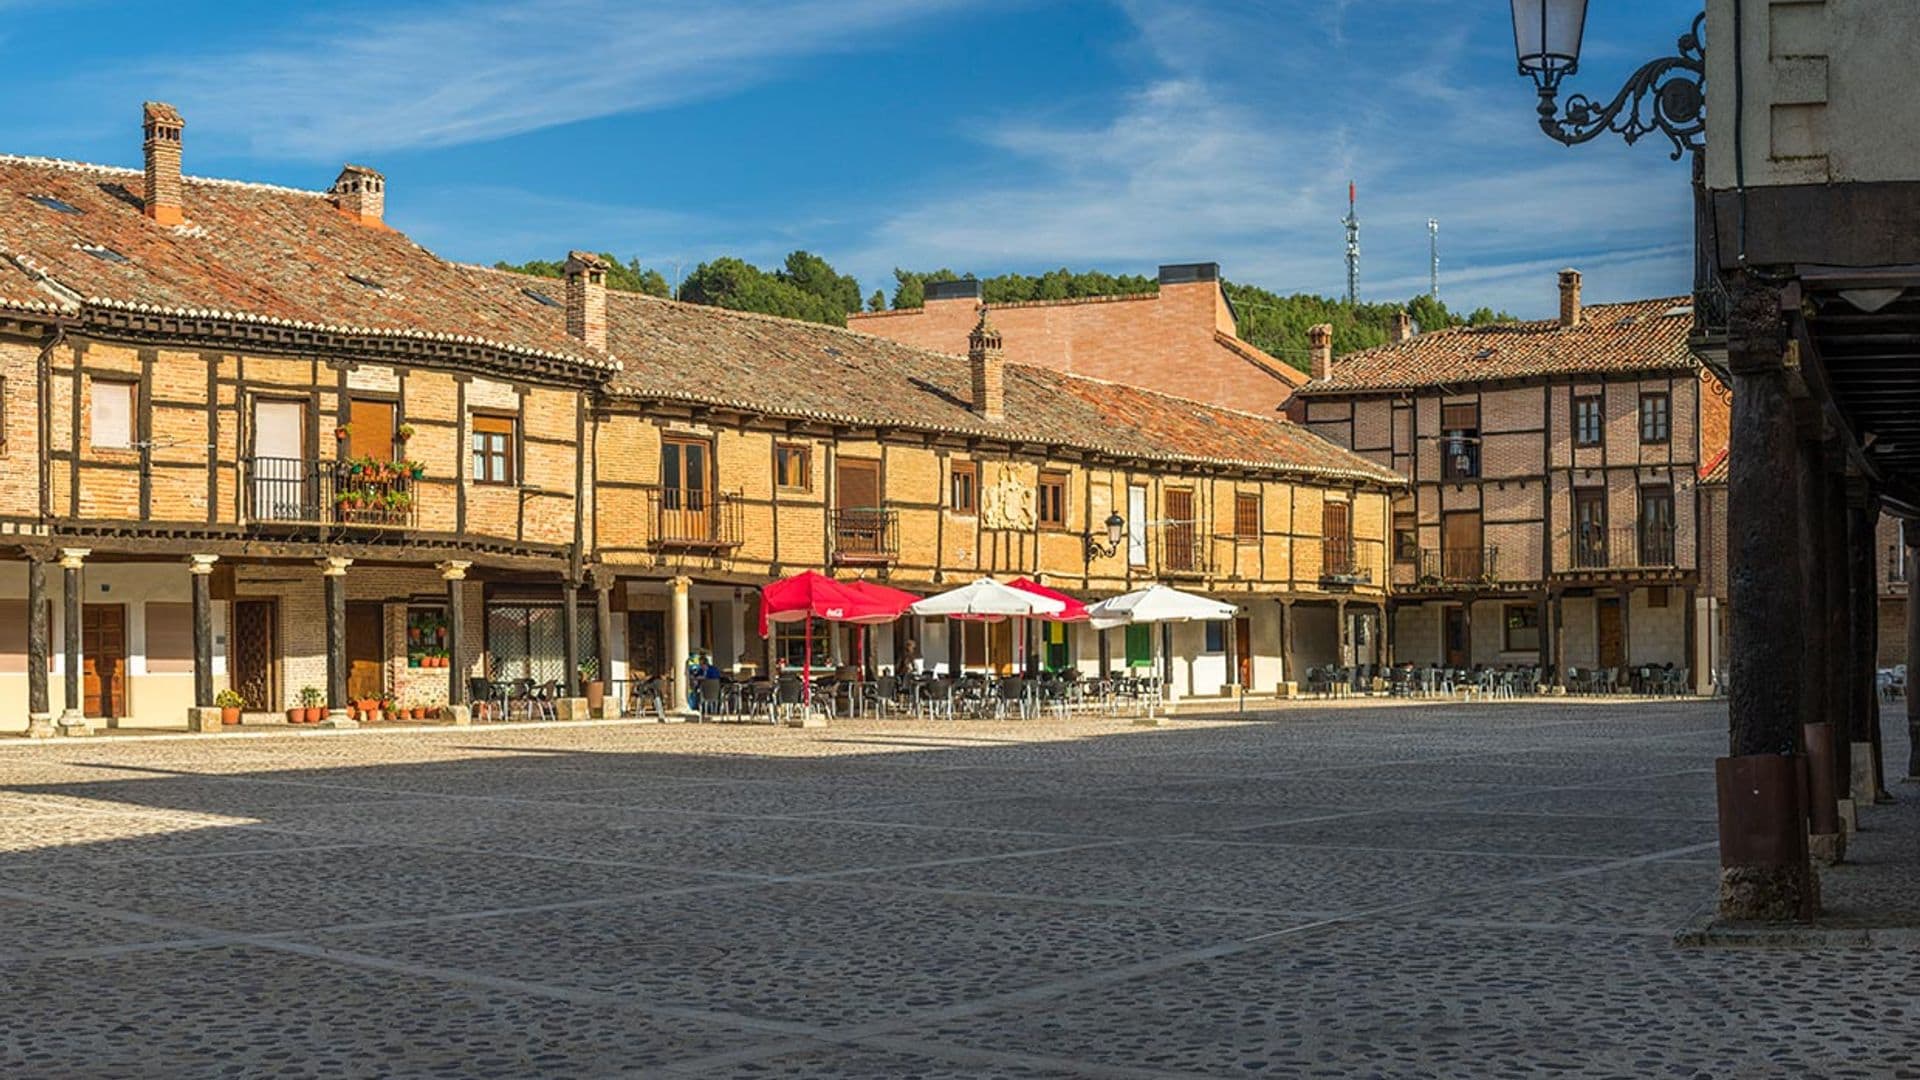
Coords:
73,719
1765,873
454,573
39,650
570,638
1389,635
1289,676
681,646
333,574
1910,529
203,716
603,582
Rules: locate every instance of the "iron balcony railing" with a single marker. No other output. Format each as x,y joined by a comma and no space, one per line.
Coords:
693,519
1349,562
865,536
328,492
1625,548
1459,566
1184,547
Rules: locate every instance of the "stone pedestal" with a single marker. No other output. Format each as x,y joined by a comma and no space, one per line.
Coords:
570,708
1866,780
457,715
338,718
1849,818
1152,721
1288,691
609,710
1827,849
73,723
203,719
40,726
806,718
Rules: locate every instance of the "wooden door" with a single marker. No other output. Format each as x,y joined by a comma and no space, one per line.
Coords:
370,425
103,669
280,475
685,478
1609,632
1336,539
1590,528
1458,638
646,644
252,653
859,528
366,651
1179,553
1461,552
1000,647
1243,652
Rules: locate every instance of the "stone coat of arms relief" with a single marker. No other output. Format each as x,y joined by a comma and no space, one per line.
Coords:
1007,503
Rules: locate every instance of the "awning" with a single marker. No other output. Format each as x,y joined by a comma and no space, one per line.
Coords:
812,595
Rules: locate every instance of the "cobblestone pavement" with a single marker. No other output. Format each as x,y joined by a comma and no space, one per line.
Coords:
1451,890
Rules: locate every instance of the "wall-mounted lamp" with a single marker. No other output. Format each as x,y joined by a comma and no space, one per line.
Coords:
1116,525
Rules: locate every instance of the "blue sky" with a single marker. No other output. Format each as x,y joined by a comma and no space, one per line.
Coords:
984,136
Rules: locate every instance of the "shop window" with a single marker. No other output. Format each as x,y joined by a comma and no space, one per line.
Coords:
1657,596
1056,646
169,636
1216,636
1523,628
1139,645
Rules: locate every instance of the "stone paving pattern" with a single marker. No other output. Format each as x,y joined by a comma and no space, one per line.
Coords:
1471,890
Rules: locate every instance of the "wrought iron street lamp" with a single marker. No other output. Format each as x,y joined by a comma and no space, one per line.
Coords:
1116,525
1666,95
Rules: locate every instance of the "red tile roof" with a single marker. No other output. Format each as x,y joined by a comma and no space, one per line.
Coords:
1640,335
252,253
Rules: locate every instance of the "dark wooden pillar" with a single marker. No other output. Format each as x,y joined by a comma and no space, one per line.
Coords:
333,571
1106,653
1764,870
1626,630
570,632
200,571
1286,643
73,718
956,647
1911,531
454,572
1558,619
39,648
1863,515
1341,634
1690,640
1830,605
1543,614
1390,633
1166,660
603,582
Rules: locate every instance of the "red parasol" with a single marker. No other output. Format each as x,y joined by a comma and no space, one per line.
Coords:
1075,611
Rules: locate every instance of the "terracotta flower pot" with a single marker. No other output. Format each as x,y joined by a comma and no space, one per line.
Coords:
230,716
316,714
297,715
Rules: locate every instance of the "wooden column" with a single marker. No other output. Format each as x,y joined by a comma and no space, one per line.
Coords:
200,570
603,582
1829,599
1863,515
1559,605
1286,643
73,718
956,648
1690,636
1764,870
570,632
1389,634
1543,614
1341,651
454,573
333,571
39,649
1911,531
1106,654
1626,630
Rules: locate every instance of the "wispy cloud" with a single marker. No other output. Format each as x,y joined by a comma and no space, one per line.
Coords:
363,83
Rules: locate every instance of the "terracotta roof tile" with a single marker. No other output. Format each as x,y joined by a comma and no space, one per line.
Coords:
782,367
1640,335
255,252
1715,470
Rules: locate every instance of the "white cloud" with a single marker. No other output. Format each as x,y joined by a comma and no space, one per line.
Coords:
356,84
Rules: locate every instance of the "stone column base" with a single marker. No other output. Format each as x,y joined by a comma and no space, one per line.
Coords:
203,719
1557,691
609,710
1768,893
1866,780
40,726
457,715
1288,691
73,723
338,718
1849,817
1152,721
1827,849
570,708
806,718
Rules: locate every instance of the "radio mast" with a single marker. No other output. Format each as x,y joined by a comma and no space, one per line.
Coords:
1433,254
1352,222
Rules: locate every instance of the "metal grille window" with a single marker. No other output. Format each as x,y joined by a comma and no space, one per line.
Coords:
1246,518
1656,421
528,641
1588,420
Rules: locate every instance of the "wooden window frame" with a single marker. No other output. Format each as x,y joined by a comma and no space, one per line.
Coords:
1059,481
132,385
1599,405
1406,528
970,506
1469,440
1665,435
800,452
1246,522
510,453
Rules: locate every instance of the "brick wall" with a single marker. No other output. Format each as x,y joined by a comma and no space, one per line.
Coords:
1165,341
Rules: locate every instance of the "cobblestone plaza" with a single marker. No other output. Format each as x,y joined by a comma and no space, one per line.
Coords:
1450,890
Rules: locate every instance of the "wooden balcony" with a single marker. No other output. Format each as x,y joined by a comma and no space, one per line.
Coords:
327,493
693,519
1350,563
1451,567
1646,547
865,536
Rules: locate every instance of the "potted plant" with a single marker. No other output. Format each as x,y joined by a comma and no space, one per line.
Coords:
230,704
367,707
403,432
386,709
313,704
343,432
590,682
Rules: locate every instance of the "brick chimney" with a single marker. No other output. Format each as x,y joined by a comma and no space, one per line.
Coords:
587,298
361,194
989,369
1569,298
161,123
1320,348
1402,326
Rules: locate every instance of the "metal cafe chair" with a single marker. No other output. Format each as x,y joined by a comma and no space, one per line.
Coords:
711,697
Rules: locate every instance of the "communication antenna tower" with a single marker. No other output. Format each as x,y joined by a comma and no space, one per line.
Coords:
1352,222
1433,254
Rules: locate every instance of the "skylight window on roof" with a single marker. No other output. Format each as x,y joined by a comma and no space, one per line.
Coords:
366,282
102,252
539,297
52,203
